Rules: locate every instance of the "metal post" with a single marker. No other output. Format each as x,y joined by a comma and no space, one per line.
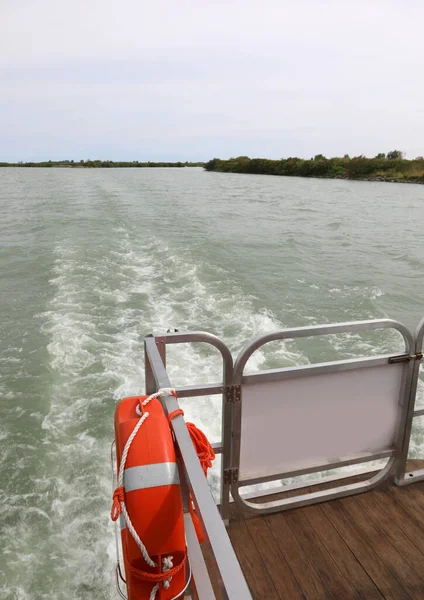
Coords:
232,576
417,475
150,380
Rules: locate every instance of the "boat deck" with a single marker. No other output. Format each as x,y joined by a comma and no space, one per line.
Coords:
366,546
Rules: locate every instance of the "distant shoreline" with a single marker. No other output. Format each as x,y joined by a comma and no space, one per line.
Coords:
101,164
390,168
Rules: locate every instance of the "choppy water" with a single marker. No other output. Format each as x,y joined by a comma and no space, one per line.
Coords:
92,260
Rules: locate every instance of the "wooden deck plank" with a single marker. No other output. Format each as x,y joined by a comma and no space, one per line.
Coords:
370,561
398,514
280,572
368,546
387,552
297,559
252,563
417,496
341,554
336,584
393,531
406,497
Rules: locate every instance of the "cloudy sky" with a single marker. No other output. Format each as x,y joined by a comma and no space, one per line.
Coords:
194,79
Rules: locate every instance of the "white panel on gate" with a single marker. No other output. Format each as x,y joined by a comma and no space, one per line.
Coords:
297,423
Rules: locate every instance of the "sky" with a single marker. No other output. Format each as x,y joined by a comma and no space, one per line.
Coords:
197,79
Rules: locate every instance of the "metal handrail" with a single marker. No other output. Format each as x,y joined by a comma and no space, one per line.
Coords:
224,447
234,379
240,380
416,475
232,576
317,330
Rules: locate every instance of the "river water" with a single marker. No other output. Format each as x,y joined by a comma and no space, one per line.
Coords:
92,260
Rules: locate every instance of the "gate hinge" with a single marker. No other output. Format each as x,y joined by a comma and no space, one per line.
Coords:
233,393
230,476
405,358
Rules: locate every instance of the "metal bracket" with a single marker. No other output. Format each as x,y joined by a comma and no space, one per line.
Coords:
405,358
233,393
230,476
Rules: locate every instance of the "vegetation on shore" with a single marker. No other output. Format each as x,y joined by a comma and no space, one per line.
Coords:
94,164
384,167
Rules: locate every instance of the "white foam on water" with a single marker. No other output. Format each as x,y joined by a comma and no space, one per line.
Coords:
101,306
102,303
376,293
14,593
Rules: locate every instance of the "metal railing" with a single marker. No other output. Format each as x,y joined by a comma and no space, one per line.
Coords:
231,577
280,376
403,478
234,390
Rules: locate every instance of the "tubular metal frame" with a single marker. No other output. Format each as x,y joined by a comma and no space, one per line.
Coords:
231,389
403,478
232,580
223,388
240,380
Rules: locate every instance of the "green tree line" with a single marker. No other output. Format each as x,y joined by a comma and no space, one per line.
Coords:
384,167
94,164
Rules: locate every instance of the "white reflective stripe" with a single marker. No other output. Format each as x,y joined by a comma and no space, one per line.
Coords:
122,523
148,476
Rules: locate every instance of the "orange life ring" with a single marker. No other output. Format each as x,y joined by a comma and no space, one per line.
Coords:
152,497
